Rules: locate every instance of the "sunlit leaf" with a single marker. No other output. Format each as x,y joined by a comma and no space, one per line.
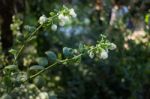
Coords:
36,67
11,67
67,51
13,51
52,13
42,61
51,55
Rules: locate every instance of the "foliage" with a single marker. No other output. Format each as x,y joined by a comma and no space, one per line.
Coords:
64,54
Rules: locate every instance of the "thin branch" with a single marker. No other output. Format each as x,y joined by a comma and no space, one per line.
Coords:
22,47
56,63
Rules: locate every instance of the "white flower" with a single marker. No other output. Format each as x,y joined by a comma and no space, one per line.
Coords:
63,19
42,19
54,27
112,46
104,54
66,19
61,23
72,13
91,55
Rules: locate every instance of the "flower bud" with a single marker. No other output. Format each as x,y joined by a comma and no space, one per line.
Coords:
54,27
112,46
63,19
104,54
72,13
42,19
91,55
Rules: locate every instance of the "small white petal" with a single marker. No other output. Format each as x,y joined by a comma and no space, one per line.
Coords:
61,17
104,55
112,46
42,19
61,23
91,55
72,13
66,19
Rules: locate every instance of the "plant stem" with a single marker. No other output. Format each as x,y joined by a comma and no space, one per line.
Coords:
56,63
34,32
22,47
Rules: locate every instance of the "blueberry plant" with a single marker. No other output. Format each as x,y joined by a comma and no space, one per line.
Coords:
61,17
60,54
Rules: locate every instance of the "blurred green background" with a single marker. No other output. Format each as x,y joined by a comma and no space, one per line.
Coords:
124,75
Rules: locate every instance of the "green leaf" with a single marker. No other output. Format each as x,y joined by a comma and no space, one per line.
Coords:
51,55
75,60
147,18
36,67
11,67
67,51
52,13
64,7
13,51
39,81
42,61
81,47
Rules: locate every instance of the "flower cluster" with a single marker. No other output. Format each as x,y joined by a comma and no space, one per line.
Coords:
43,19
62,17
15,26
101,49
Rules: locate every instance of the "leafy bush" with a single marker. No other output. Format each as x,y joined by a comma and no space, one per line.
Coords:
64,54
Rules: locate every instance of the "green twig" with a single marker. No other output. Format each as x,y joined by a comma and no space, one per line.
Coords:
22,47
56,63
28,39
